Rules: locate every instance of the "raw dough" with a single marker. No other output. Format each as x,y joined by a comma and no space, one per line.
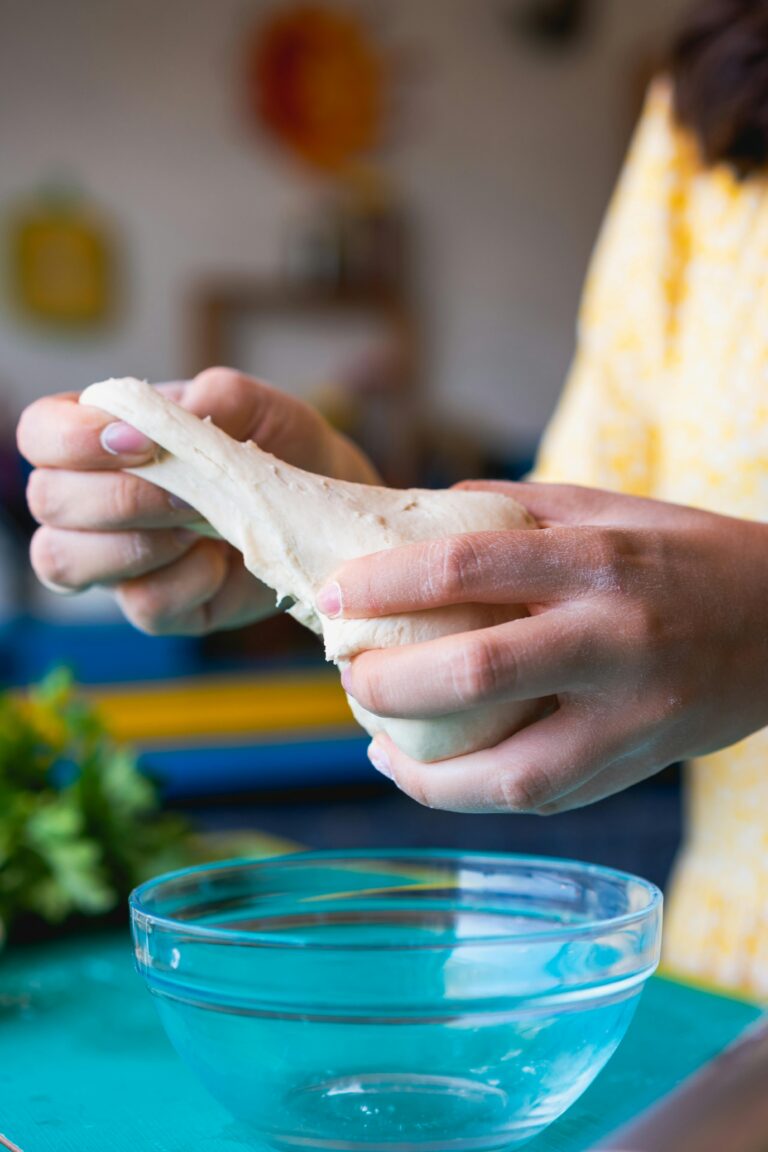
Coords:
294,529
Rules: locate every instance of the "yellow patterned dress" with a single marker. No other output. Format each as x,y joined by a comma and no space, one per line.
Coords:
668,397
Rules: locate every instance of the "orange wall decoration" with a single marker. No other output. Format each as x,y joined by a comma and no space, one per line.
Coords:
315,81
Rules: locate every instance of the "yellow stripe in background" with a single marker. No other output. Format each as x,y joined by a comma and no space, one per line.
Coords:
223,706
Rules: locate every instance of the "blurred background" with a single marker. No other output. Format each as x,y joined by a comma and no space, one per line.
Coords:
387,208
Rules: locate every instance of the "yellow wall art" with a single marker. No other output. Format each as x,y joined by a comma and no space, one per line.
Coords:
61,262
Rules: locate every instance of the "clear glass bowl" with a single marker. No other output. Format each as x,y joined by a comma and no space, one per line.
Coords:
396,1001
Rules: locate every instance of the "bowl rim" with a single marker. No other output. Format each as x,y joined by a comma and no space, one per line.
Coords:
595,927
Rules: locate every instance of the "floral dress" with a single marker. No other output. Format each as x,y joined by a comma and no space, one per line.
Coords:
668,398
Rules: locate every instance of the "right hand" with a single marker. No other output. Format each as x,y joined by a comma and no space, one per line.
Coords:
102,526
647,626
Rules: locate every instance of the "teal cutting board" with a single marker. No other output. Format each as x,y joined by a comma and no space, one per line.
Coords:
85,1066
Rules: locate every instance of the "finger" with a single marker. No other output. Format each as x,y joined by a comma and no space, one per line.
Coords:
535,656
74,561
568,505
613,778
58,432
555,505
102,501
174,598
242,599
515,567
525,773
250,409
206,589
230,399
173,389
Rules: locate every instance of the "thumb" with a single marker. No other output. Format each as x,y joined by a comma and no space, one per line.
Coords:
234,402
249,409
554,505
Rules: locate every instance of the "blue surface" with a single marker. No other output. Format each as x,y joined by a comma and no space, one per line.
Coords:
85,1067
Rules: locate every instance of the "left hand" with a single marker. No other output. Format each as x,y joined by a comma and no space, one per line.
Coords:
648,625
101,525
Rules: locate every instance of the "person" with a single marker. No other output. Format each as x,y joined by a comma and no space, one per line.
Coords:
645,586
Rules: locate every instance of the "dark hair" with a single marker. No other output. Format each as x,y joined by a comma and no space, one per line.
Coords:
719,68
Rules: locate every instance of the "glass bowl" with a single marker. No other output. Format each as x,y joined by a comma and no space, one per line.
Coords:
396,1001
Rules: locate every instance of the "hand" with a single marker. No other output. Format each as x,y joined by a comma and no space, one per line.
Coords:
103,526
648,626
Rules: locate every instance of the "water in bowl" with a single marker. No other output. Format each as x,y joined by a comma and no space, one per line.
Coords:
363,1062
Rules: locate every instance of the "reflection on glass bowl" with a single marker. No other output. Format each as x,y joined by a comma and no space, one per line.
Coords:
396,1001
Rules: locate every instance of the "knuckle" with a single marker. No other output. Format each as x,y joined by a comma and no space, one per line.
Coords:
31,423
223,393
125,498
25,436
525,792
219,377
139,551
475,671
643,639
370,689
72,440
552,809
238,387
416,785
50,559
449,565
649,625
146,607
607,553
42,496
247,407
596,553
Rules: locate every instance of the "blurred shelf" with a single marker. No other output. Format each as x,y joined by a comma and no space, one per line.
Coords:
228,735
186,710
285,724
98,652
322,759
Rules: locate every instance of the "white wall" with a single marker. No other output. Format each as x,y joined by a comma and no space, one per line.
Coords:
506,159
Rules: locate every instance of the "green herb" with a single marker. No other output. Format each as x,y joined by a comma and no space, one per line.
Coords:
80,825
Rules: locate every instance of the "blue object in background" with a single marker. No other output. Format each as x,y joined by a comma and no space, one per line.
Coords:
114,652
103,653
199,771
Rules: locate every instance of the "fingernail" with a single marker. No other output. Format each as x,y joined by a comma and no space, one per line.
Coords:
179,504
329,600
122,440
380,760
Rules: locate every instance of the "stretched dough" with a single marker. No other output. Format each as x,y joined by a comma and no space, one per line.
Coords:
294,529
